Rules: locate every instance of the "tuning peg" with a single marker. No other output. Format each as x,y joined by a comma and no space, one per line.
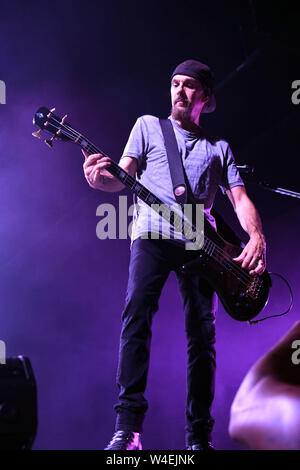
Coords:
51,111
49,142
37,134
63,120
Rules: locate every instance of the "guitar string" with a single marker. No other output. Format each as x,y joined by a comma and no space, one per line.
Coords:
230,265
238,271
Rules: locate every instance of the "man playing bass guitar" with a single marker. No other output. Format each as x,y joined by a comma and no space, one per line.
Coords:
208,165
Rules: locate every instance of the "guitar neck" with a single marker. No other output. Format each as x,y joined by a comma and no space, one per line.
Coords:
130,182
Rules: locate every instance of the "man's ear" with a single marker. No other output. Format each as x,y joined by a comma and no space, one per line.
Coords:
205,100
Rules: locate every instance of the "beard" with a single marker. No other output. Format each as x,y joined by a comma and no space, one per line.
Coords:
182,113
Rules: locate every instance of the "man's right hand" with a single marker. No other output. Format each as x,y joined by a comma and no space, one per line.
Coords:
94,170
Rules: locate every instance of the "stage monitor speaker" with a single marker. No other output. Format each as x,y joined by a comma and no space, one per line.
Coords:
18,404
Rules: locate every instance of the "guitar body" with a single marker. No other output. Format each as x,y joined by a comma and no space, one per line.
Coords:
242,295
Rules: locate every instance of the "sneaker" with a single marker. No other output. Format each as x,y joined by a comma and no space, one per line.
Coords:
125,440
207,445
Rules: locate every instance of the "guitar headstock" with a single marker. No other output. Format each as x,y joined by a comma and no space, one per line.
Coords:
46,120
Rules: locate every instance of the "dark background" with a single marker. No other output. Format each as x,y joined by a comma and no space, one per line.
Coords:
62,289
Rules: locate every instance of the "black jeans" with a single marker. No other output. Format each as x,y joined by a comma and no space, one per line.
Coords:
150,264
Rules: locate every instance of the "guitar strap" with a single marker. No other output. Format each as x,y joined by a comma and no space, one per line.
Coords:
175,163
181,186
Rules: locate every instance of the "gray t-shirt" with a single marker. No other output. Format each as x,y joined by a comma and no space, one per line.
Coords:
208,164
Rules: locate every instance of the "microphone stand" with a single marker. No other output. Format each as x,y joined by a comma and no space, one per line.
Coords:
246,169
